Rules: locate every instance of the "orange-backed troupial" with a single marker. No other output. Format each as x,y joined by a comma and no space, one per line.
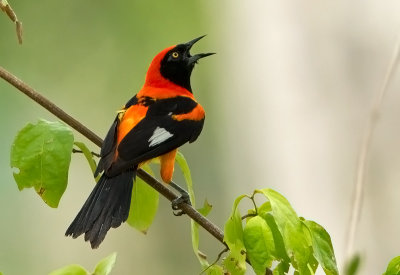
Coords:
162,116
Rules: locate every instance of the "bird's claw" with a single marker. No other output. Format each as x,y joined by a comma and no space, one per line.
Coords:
178,213
184,198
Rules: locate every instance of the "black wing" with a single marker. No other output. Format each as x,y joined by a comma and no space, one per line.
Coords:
109,145
157,134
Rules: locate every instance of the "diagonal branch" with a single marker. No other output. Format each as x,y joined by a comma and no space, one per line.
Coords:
161,188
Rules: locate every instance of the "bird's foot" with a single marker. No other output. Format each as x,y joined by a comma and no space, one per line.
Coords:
184,198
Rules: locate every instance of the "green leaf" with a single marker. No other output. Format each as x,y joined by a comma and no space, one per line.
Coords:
259,243
215,270
261,211
73,269
281,269
105,266
264,208
280,249
322,247
42,154
180,159
205,210
235,262
352,266
233,227
89,157
250,214
144,204
312,264
393,267
297,243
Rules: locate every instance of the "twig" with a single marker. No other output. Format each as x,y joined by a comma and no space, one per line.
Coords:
5,6
364,151
216,261
249,215
161,188
80,151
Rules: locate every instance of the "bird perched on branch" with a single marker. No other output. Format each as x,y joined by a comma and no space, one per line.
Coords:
161,117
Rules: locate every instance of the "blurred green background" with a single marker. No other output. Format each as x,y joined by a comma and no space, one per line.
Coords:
286,96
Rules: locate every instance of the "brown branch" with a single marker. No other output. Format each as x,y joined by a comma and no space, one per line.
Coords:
161,188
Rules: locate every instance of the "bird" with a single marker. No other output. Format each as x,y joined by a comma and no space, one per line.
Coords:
161,117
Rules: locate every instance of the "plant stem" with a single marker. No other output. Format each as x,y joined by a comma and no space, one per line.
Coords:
161,188
5,6
364,152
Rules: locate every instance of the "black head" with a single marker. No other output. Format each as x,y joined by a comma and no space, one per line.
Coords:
177,65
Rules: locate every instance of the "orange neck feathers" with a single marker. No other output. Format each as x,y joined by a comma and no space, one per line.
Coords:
157,86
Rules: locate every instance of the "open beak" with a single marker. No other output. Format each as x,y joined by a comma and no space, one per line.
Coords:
193,59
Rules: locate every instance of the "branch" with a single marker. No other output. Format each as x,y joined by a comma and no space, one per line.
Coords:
364,151
161,188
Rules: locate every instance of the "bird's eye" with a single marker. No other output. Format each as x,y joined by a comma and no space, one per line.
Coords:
175,54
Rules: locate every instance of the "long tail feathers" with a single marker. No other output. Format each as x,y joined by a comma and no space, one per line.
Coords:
107,206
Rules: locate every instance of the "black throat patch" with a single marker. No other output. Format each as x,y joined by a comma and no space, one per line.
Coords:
176,68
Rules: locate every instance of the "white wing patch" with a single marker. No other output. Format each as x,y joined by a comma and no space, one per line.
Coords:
159,136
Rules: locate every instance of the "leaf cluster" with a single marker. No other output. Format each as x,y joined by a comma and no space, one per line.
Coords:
103,267
270,237
273,236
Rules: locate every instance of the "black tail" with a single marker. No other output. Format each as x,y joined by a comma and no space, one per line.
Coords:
107,206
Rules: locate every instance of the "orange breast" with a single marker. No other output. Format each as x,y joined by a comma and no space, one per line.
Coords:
132,116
